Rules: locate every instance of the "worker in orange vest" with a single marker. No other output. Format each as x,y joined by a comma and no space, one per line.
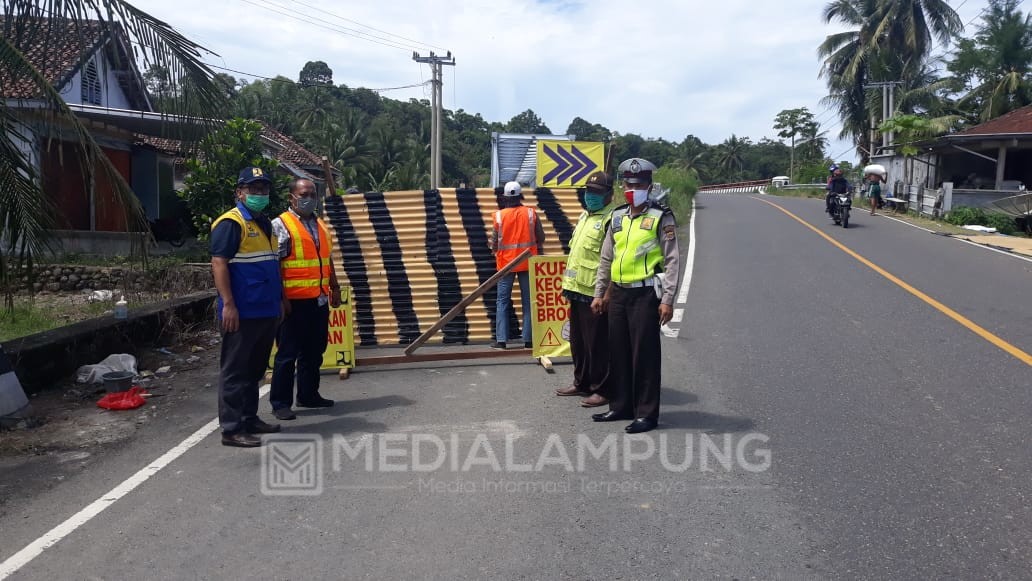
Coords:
310,288
516,228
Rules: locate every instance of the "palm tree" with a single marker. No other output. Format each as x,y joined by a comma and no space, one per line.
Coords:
731,156
25,212
845,57
993,68
890,41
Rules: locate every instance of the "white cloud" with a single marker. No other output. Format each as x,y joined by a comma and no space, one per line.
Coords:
656,68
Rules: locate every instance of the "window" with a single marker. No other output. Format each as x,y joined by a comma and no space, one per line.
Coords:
90,84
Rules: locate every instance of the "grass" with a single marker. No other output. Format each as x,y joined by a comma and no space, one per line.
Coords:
29,317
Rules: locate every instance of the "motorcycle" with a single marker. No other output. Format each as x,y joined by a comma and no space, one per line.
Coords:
840,206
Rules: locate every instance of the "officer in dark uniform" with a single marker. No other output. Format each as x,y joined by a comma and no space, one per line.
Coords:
639,254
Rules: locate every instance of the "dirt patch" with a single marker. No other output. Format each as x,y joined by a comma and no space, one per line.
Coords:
67,418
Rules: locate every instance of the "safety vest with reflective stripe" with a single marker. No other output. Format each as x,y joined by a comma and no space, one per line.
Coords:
306,270
516,228
637,254
254,273
586,250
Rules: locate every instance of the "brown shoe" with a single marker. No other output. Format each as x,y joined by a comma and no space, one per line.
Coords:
593,401
570,390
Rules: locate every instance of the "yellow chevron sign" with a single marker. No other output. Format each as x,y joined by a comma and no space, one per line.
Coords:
567,164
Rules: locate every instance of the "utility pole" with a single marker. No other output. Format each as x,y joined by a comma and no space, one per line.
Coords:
436,106
888,108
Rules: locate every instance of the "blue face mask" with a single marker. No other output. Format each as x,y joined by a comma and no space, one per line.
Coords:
594,202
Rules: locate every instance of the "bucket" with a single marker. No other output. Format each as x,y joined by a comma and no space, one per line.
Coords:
117,381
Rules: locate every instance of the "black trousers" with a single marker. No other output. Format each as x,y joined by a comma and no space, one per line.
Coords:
634,352
300,343
244,359
589,345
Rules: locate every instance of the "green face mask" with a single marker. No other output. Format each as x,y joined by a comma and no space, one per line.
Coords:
256,203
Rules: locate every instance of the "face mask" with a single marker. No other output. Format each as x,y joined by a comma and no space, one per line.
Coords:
594,202
305,206
256,203
636,197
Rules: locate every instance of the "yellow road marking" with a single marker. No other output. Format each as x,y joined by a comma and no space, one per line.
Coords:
967,323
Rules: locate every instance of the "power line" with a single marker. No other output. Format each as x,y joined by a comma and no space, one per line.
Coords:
333,28
300,84
365,25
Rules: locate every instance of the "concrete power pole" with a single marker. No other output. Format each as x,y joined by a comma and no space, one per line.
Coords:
888,109
436,107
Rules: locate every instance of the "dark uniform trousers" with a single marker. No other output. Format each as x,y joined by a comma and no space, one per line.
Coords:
589,345
634,349
302,340
244,359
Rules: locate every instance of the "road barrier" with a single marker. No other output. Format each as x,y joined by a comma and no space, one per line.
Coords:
410,256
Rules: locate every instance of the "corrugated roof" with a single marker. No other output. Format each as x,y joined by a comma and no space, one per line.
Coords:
1017,121
291,151
517,156
296,159
56,51
58,47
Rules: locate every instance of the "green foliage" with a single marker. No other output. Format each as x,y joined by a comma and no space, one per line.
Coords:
964,215
992,69
908,129
682,183
211,184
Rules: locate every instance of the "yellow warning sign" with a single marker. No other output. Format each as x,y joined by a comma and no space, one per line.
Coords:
340,338
550,311
568,164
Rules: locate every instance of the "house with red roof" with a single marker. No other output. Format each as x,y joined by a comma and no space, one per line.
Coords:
983,163
92,66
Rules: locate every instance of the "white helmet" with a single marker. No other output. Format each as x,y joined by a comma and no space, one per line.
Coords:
512,189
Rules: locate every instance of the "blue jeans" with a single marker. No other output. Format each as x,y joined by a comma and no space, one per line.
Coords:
502,306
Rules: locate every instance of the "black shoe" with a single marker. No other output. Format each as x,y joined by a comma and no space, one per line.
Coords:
257,426
528,345
318,402
610,416
498,345
284,414
641,425
241,440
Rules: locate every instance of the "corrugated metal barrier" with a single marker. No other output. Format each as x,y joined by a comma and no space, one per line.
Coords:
410,256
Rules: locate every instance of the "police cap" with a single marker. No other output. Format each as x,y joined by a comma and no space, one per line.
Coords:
636,170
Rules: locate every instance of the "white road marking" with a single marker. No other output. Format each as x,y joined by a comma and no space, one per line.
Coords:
689,264
54,535
678,315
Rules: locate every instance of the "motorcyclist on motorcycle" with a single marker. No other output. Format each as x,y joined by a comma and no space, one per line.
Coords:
838,184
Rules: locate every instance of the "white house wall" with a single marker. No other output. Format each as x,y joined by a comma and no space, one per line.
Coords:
920,174
111,94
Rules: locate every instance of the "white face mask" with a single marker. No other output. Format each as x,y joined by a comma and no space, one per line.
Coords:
636,197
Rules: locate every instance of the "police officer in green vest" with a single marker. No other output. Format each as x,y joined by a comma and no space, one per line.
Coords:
637,275
589,333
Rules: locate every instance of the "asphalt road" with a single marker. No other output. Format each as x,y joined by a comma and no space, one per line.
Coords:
896,438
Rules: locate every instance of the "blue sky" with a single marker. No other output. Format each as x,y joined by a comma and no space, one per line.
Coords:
656,68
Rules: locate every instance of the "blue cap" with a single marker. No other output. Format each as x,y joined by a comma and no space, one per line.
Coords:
252,174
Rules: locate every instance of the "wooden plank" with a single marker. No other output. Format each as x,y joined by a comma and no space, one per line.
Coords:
454,312
455,356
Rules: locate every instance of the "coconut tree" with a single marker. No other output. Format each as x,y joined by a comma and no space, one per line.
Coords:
992,69
887,40
25,212
731,156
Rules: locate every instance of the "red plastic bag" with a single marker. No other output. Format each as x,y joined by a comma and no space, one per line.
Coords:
123,400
